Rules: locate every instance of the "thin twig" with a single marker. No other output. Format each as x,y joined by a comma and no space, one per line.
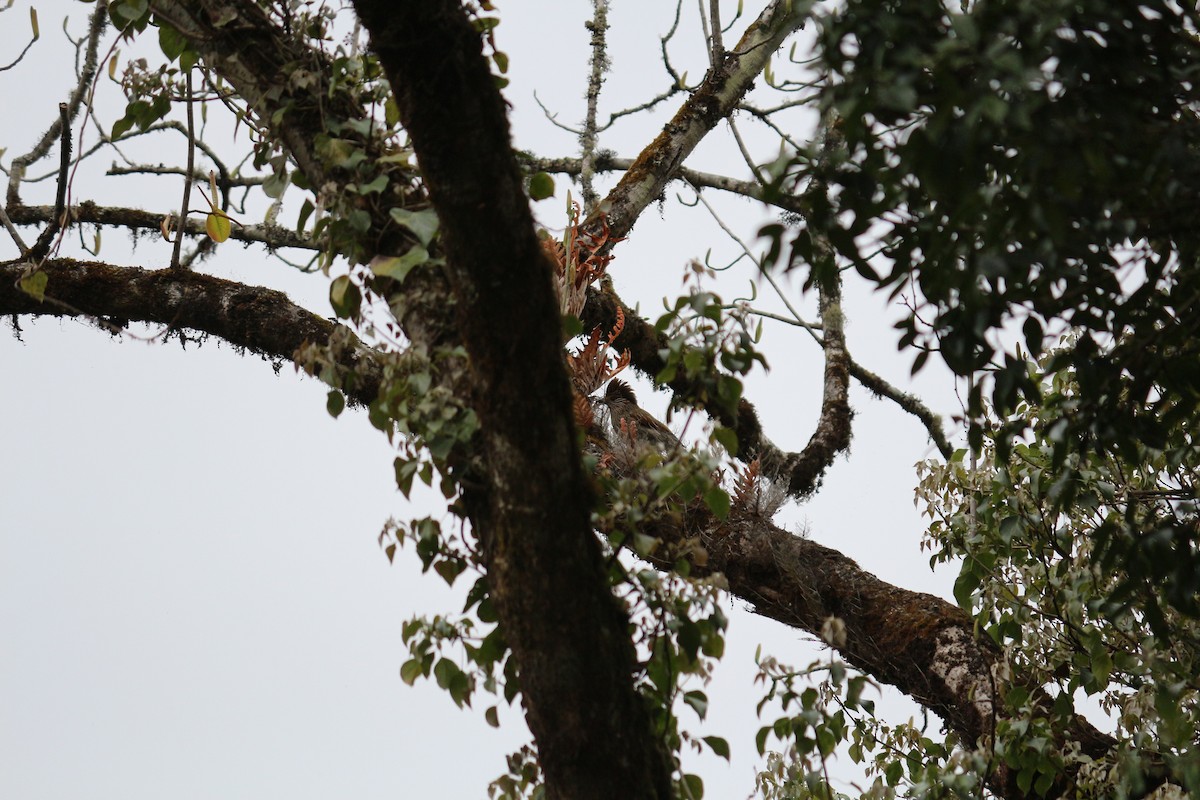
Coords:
197,174
8,226
20,57
763,271
751,189
704,25
88,212
676,78
187,178
737,137
16,172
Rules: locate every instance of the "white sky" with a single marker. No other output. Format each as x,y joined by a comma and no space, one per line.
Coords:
192,600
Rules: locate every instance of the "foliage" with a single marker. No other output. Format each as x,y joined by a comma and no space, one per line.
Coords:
1025,170
1031,164
1065,614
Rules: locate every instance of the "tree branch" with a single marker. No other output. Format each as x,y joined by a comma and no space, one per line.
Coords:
263,321
135,219
603,163
909,402
712,102
19,164
922,645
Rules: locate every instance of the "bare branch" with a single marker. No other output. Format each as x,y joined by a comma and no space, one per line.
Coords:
136,219
58,219
715,98
16,173
187,177
909,402
197,175
718,49
20,56
751,189
12,231
598,25
916,642
262,320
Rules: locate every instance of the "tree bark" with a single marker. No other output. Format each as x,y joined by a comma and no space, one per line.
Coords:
567,631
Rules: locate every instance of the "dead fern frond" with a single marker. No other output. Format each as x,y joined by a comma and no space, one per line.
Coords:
618,326
577,260
746,485
592,366
585,417
756,496
589,365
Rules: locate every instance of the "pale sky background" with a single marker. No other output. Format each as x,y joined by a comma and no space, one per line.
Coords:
193,603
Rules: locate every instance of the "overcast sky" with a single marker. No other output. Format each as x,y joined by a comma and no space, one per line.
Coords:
193,603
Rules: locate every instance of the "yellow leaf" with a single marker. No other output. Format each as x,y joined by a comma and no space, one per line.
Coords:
33,23
34,285
218,226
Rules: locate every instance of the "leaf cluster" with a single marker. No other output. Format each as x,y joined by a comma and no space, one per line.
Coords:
1036,162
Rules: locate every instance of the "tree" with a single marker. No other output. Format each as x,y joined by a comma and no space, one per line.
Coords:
950,153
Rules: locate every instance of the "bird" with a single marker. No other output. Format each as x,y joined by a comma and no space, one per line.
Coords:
634,423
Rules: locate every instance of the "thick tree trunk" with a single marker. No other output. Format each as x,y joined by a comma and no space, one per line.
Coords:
567,631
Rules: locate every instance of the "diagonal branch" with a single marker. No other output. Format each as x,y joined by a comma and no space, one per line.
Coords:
719,94
914,641
907,401
922,645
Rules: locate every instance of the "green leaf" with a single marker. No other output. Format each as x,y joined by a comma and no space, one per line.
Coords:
275,184
345,297
541,186
335,403
444,671
760,739
718,745
572,326
693,786
121,127
34,285
410,671
170,41
698,701
966,583
717,500
398,267
306,209
727,438
449,569
378,185
391,112
422,223
492,717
